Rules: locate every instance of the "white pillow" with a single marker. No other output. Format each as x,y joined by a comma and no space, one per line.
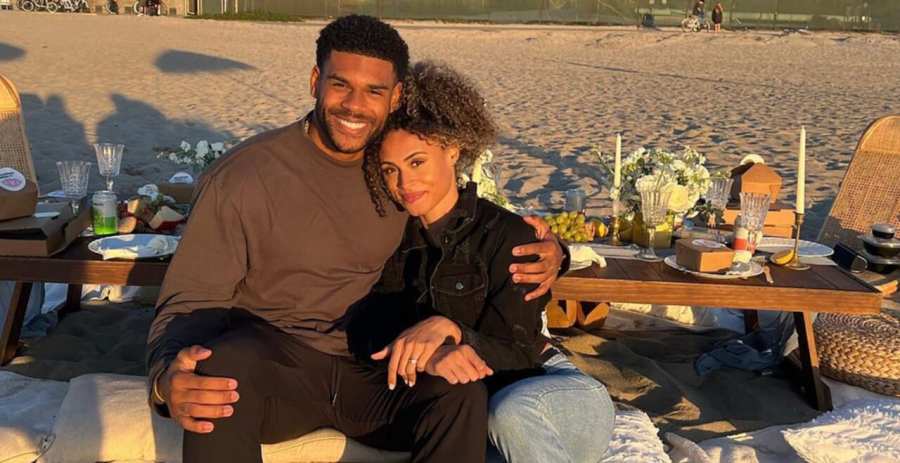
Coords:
105,417
862,431
634,438
27,409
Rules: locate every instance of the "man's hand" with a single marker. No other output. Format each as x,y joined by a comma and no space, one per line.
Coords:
550,256
412,350
190,396
458,364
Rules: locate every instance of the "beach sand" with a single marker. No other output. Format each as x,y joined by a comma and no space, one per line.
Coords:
557,92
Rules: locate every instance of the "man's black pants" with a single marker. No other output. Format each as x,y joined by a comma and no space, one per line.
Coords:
288,389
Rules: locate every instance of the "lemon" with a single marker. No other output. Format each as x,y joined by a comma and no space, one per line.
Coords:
601,229
782,257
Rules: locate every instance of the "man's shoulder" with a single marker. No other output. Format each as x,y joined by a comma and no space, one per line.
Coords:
257,151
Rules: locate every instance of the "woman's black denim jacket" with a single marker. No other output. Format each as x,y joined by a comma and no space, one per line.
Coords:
470,285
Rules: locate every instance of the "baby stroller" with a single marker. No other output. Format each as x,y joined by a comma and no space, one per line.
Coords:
694,23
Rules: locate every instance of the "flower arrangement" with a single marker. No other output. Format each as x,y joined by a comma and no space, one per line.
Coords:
197,158
684,173
485,177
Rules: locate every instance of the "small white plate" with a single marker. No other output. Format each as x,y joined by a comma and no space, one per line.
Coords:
805,248
755,269
138,245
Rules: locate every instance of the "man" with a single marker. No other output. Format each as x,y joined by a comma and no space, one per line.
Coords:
249,343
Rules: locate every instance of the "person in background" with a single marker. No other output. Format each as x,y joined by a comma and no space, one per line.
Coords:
717,15
700,12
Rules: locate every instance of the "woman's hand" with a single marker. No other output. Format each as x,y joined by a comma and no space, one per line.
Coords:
458,364
550,257
413,349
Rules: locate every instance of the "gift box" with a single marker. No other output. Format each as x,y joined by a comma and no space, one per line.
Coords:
755,178
18,196
702,255
48,231
182,193
15,204
779,215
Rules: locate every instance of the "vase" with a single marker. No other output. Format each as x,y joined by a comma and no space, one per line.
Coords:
662,238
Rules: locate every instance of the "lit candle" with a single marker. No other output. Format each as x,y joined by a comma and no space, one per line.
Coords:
617,181
801,172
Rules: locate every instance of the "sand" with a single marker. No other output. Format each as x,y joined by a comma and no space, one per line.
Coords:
557,91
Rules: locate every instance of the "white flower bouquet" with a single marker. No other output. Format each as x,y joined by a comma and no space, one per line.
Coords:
684,173
198,158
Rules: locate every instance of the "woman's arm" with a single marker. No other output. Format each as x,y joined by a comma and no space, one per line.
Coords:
514,324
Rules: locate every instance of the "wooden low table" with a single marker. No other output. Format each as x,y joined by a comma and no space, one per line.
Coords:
820,289
76,266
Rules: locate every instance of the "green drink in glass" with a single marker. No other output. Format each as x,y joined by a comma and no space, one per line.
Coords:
105,213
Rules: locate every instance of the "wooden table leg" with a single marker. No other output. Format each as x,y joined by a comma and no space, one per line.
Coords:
751,321
12,325
73,300
595,318
817,393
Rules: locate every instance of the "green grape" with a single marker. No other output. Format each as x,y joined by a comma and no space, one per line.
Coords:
554,229
579,219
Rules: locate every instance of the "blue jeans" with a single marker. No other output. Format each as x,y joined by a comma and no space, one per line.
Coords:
562,416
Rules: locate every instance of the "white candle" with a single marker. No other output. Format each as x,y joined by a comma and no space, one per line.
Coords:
617,181
801,172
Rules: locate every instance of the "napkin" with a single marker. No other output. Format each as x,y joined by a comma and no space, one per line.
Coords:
583,256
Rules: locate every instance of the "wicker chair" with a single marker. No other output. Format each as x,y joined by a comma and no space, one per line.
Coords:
863,349
14,151
870,191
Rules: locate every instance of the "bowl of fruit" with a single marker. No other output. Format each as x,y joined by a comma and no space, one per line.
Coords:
575,227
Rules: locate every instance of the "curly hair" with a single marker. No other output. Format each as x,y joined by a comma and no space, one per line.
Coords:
363,35
440,105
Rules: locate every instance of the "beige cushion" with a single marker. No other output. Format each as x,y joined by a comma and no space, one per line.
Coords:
105,417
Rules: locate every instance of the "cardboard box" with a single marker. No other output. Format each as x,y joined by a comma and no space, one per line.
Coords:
755,178
44,236
703,255
16,204
183,193
779,215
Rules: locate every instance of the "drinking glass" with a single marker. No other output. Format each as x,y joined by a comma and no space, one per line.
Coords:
109,161
717,195
654,208
74,176
575,200
754,207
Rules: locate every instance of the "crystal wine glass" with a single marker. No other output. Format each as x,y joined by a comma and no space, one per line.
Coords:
109,161
717,195
73,177
754,207
654,208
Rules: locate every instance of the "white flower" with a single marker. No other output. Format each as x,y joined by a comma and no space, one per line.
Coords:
678,165
172,157
202,148
185,146
218,147
680,199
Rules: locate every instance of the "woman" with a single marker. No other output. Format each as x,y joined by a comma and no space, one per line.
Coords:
447,289
717,14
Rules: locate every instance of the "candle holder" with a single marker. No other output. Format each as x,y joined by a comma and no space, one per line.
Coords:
795,264
616,222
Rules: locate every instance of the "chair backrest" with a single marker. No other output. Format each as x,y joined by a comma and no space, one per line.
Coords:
870,191
14,151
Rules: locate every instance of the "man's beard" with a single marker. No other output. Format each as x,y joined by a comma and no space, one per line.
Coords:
327,133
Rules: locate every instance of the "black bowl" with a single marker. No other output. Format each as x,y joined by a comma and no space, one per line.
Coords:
882,248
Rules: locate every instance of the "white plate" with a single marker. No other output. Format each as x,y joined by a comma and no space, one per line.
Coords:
138,244
755,269
806,248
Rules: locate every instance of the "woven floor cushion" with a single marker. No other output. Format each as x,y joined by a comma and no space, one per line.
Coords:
862,350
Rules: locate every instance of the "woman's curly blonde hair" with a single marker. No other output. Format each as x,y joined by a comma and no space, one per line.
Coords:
443,106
